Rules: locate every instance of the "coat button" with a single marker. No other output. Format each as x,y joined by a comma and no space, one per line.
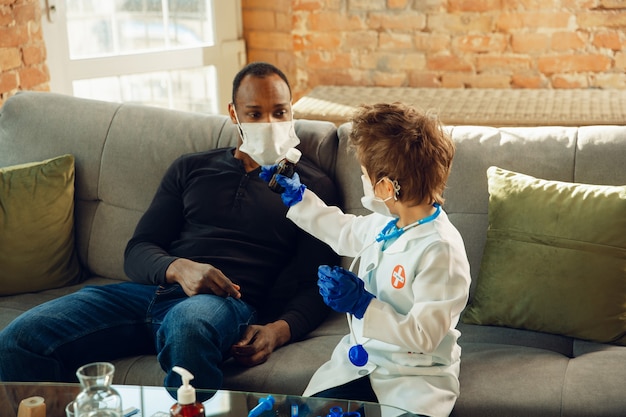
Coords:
363,372
369,267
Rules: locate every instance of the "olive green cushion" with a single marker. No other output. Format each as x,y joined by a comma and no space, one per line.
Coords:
37,226
555,258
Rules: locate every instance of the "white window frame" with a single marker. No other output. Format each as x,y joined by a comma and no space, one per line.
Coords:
228,53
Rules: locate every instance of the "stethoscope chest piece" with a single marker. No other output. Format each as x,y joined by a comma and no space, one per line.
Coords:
358,355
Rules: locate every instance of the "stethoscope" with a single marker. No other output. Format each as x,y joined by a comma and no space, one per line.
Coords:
357,354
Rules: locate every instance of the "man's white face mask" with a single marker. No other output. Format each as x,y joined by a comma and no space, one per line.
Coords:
267,143
373,203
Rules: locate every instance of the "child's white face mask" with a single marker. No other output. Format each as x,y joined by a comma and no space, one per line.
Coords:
373,203
267,143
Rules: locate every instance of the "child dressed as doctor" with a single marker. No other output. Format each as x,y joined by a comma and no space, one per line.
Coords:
413,281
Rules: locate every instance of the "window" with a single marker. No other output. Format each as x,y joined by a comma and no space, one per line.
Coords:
179,54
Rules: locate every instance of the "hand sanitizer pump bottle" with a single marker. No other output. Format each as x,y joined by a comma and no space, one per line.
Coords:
186,405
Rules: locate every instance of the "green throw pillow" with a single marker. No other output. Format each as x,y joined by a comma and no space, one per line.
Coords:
555,258
37,226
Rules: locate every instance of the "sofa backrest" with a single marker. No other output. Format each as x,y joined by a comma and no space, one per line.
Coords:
122,152
588,154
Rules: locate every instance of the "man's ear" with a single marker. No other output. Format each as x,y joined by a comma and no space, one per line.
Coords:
231,112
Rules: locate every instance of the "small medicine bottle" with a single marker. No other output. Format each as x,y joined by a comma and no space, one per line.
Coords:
286,167
186,405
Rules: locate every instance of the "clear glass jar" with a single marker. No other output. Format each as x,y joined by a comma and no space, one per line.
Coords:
98,398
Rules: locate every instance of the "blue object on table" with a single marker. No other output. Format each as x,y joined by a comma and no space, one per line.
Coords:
265,404
338,412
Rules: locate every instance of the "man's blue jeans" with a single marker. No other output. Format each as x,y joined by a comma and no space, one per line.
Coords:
102,323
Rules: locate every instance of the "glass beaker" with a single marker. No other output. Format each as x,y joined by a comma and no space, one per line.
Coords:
98,398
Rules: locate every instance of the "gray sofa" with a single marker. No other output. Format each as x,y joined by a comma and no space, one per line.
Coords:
122,150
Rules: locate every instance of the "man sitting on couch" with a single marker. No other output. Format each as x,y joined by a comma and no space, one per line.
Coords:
217,268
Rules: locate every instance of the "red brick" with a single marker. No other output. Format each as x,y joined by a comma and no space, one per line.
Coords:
339,77
330,21
6,16
25,12
269,40
34,54
473,5
548,19
526,5
609,81
508,63
262,55
333,5
448,63
397,4
307,5
318,59
480,43
460,80
284,22
8,81
528,80
431,42
530,42
610,40
569,41
425,79
620,60
577,5
613,4
259,19
276,5
366,5
13,36
488,80
388,41
389,79
570,81
573,63
459,23
411,21
32,76
452,80
323,40
10,58
389,62
611,19
361,40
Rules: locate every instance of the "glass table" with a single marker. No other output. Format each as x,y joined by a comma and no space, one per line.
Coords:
156,402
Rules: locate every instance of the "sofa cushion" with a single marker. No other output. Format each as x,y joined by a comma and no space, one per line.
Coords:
37,226
555,258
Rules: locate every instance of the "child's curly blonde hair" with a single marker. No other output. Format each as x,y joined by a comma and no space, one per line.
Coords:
401,143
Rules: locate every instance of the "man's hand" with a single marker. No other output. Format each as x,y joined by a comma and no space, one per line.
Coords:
197,278
258,342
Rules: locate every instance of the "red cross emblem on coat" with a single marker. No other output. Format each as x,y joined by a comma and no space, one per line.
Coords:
398,277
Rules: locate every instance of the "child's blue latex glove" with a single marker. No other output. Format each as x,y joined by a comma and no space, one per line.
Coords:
292,188
343,291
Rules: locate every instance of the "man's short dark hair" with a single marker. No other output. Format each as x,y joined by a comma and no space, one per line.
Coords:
257,69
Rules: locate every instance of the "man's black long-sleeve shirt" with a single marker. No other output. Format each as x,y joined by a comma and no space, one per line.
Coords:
209,210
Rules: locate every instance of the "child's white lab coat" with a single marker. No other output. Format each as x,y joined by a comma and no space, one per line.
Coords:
421,283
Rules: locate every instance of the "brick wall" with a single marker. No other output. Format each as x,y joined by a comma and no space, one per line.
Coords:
22,49
421,43
441,43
